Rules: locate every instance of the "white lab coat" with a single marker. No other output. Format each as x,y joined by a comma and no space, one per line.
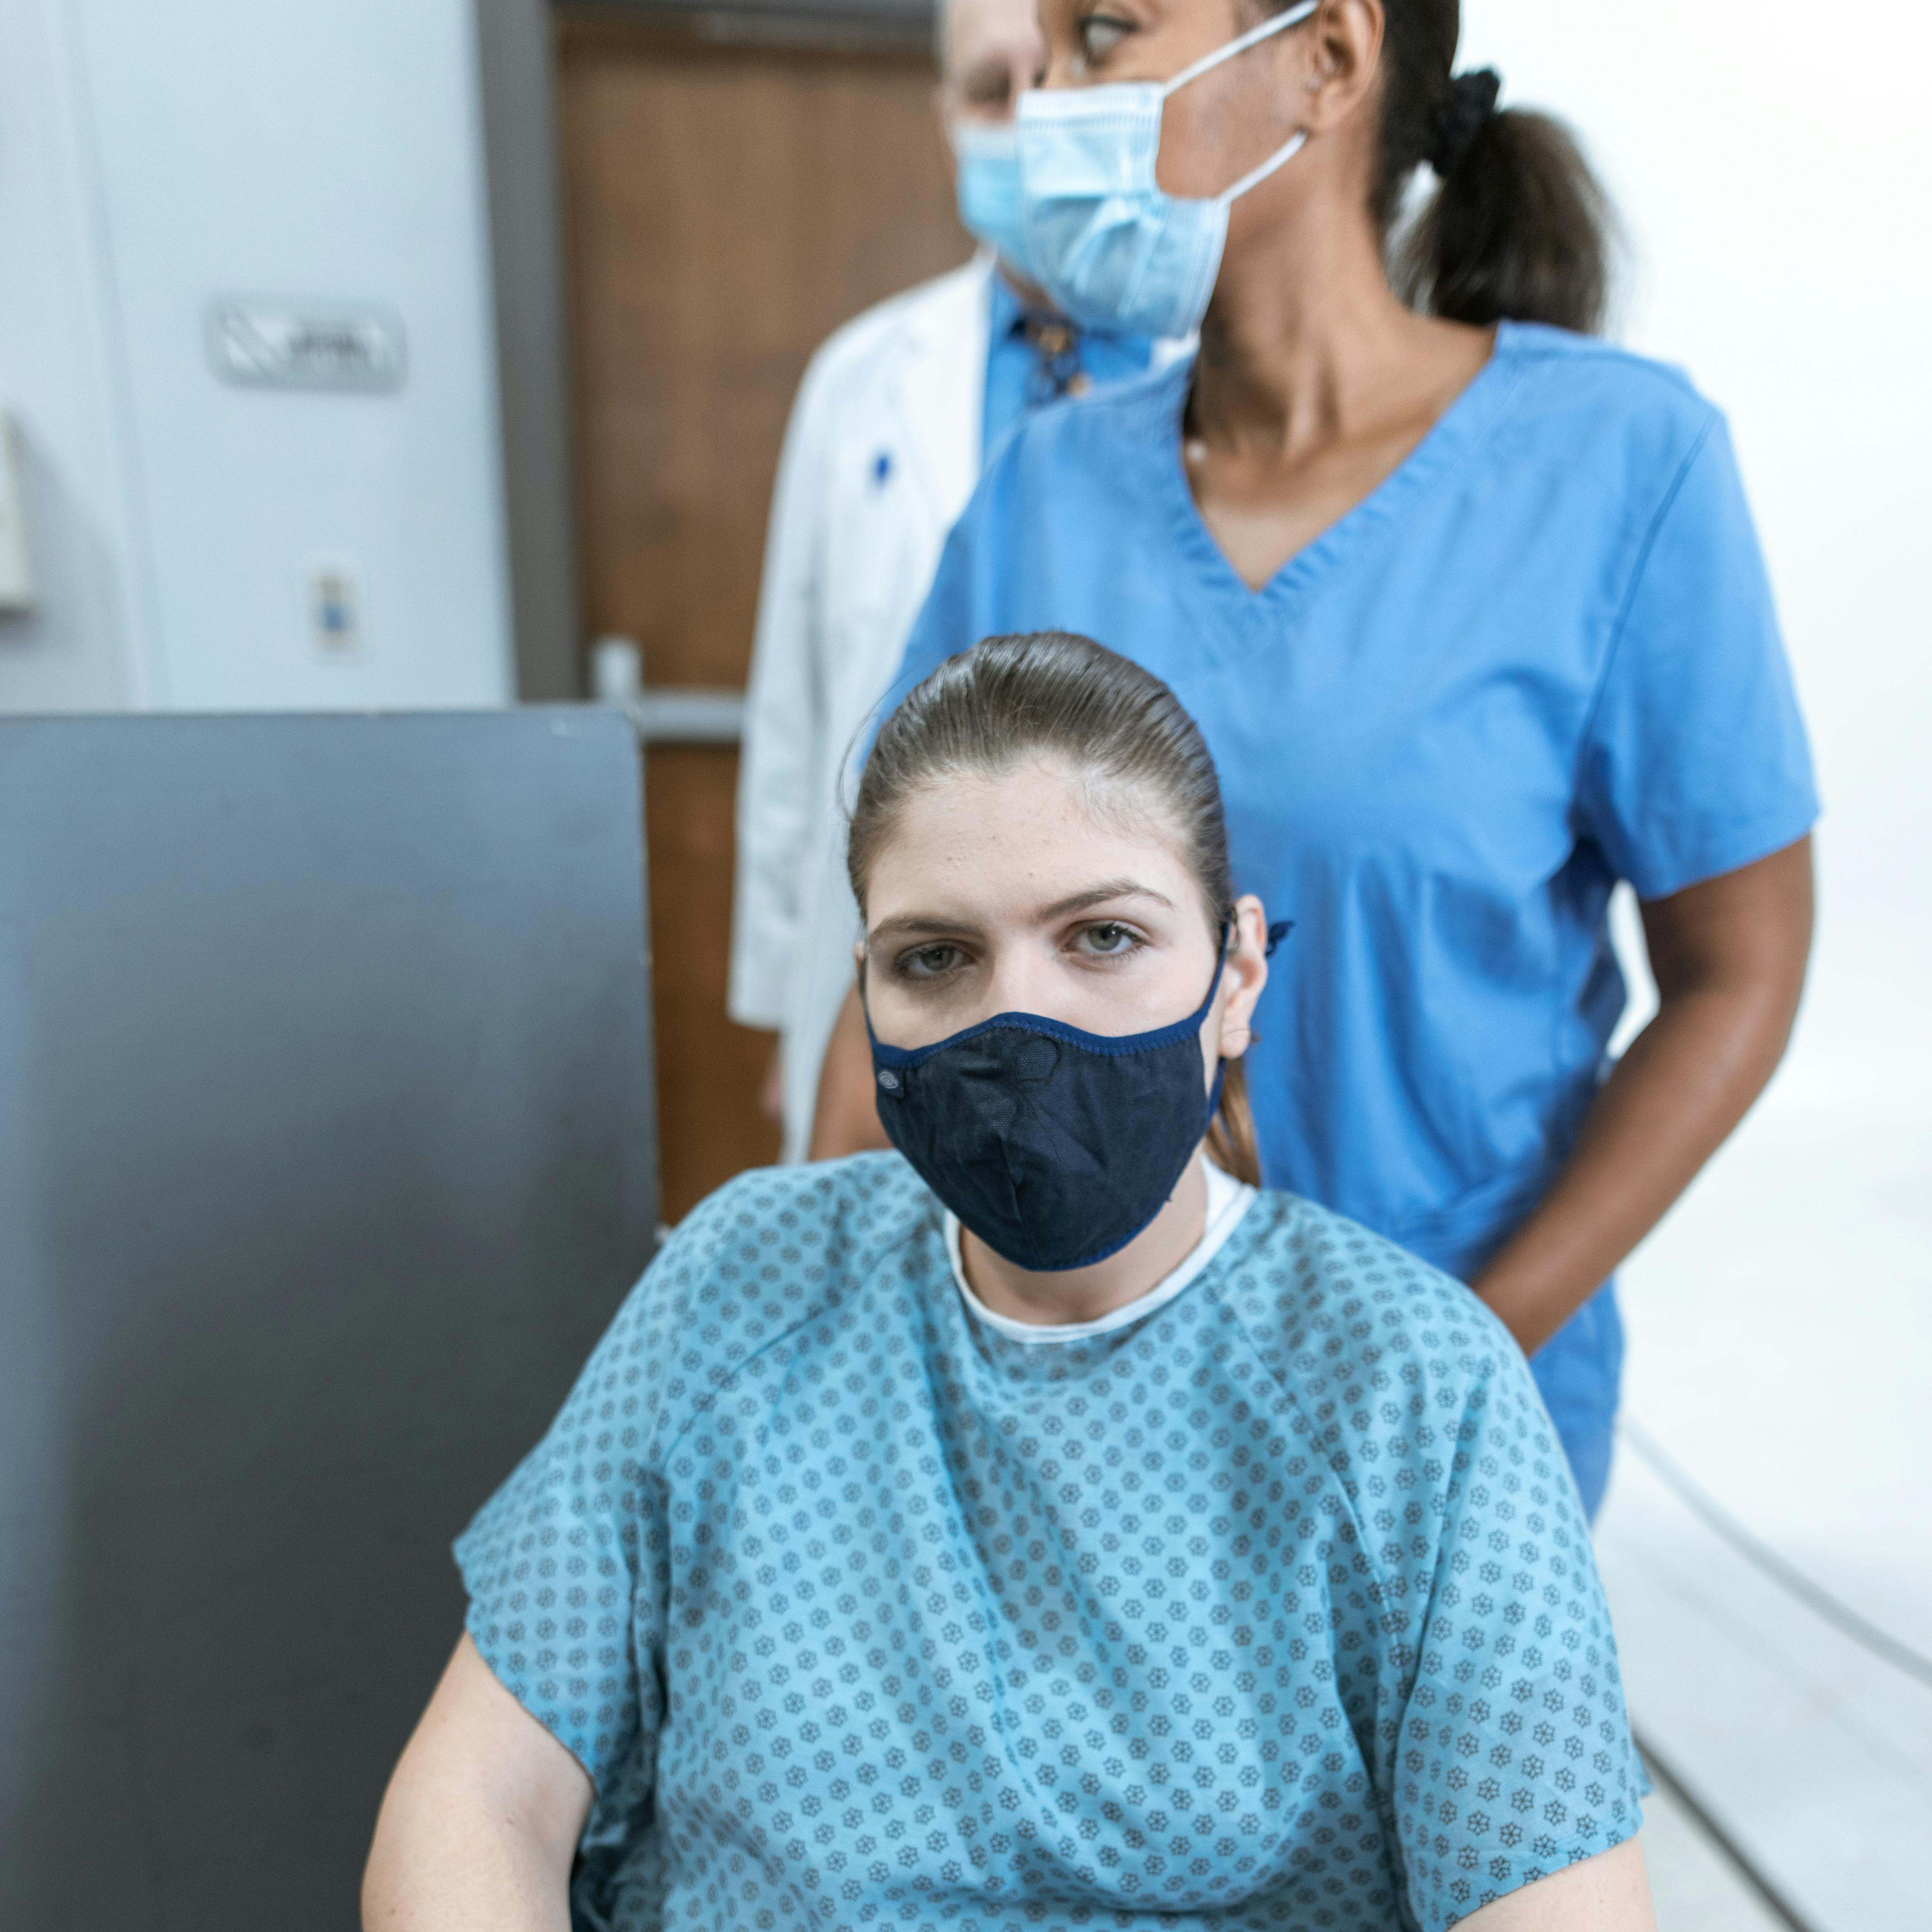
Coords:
881,455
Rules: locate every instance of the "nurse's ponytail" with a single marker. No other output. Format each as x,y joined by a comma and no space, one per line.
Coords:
1056,692
1517,227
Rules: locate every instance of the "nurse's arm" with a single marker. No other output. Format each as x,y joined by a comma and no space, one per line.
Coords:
1728,957
845,1119
1609,1893
480,1823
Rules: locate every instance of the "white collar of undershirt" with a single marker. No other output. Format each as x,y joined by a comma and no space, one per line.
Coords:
1228,1200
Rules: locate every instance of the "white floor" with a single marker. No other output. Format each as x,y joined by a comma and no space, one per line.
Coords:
1692,1885
1781,1353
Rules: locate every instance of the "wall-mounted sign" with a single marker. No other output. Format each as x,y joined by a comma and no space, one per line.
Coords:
264,343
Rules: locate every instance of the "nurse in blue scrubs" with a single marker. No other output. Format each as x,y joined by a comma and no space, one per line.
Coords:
1468,605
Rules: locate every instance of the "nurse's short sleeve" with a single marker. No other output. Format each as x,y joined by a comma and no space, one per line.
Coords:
563,1565
1695,761
1514,1759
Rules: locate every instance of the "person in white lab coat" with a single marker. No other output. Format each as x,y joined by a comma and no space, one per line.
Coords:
892,420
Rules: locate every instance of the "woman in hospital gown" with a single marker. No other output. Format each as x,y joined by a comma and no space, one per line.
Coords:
1214,1564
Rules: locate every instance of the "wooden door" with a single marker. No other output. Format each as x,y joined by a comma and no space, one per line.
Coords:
727,206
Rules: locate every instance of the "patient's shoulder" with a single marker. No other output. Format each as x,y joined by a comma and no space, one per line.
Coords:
1389,1360
1314,1280
774,1243
769,1252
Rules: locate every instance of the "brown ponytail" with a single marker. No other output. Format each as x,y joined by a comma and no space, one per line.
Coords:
1518,227
1059,693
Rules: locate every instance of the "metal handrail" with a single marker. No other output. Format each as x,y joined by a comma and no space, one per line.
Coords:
688,716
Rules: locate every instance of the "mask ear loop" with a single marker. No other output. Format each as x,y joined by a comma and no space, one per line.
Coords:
886,1077
1221,939
1255,177
1240,44
1227,933
1213,993
1214,1092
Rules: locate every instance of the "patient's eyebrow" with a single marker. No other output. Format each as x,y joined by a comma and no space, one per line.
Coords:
920,924
932,926
1100,895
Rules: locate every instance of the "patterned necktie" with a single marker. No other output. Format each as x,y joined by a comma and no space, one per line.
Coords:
1056,348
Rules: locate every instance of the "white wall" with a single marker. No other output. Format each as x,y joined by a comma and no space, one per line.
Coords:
153,158
1772,176
86,647
1771,172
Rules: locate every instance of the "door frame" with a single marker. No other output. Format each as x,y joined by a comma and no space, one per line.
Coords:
516,83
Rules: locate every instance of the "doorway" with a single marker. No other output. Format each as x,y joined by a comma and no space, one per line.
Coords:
729,201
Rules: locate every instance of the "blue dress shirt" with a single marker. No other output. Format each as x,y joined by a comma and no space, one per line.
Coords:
1022,374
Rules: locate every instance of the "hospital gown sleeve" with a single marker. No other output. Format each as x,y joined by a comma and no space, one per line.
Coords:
1512,1756
1695,760
566,1565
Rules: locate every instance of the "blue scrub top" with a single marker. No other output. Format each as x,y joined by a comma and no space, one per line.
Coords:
1540,658
1273,1609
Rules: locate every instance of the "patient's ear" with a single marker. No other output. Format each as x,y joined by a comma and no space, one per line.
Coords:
1244,972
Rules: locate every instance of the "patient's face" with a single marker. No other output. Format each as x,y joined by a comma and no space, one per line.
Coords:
1029,891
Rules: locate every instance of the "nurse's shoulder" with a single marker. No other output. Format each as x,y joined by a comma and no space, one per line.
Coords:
1406,1379
1633,419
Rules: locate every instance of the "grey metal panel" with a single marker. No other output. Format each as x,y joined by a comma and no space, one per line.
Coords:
326,1152
517,89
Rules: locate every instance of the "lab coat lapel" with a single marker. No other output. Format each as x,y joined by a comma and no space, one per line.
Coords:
940,393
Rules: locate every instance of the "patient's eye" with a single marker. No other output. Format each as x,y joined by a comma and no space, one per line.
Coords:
1107,941
928,962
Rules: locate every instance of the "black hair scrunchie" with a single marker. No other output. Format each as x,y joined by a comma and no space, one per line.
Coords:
1465,113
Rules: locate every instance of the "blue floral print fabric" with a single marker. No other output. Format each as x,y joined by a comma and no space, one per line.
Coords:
1277,1608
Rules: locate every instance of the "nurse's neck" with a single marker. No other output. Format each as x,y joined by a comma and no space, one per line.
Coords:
1087,1294
1305,346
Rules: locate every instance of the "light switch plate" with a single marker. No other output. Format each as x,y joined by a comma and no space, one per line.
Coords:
19,592
333,586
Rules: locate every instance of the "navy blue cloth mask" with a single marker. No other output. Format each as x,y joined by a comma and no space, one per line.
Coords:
1055,1147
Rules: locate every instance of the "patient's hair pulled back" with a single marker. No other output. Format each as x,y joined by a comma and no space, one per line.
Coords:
1057,694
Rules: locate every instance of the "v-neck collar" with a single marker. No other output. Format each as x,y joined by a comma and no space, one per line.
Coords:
1259,610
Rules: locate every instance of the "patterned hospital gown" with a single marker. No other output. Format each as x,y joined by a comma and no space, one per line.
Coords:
1277,1608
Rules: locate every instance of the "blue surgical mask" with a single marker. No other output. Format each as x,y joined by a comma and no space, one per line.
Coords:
989,188
1054,1146
1101,238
